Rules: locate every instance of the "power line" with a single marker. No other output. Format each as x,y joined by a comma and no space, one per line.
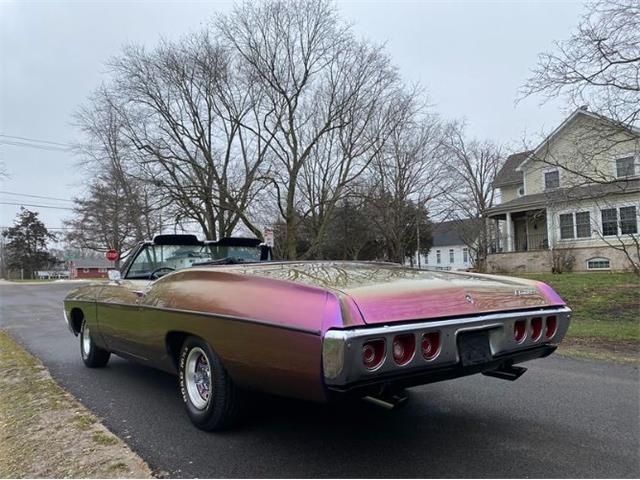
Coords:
49,148
36,140
34,205
51,228
35,196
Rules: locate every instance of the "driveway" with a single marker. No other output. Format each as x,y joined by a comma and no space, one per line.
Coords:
563,418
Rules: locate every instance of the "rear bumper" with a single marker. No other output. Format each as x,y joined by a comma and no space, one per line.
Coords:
342,349
437,374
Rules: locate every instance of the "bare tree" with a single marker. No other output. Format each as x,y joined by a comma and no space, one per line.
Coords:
598,65
104,218
324,94
109,160
472,165
183,105
275,114
406,180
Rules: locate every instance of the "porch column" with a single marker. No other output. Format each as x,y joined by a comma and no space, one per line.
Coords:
551,231
509,232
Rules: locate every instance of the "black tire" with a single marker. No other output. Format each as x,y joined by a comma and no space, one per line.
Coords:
95,357
220,409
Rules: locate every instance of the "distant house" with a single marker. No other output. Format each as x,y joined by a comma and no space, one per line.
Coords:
576,196
90,268
52,274
449,251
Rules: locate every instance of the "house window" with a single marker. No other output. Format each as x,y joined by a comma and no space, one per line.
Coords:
598,264
609,221
551,179
628,220
451,255
85,270
625,167
102,270
438,259
583,224
465,255
566,226
521,190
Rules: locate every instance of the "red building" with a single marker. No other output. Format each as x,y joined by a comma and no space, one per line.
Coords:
90,267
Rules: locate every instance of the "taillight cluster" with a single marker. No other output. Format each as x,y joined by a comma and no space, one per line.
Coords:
430,345
373,354
403,349
404,346
537,326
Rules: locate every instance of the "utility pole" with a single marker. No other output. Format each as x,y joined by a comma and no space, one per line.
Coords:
418,235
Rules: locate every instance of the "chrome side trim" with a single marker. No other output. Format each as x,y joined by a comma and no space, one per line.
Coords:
342,349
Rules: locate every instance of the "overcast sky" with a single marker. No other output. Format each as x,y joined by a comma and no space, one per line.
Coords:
471,57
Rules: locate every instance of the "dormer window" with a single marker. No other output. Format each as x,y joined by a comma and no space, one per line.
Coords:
551,179
625,167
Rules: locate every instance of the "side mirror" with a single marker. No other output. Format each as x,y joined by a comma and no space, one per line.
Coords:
114,275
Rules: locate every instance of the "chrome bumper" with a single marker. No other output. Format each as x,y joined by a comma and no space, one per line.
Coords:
342,349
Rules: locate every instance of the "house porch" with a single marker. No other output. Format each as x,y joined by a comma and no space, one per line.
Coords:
520,231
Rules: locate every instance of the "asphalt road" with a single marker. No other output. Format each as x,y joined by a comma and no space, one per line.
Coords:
563,418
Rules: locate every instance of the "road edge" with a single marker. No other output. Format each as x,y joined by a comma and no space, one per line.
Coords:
46,432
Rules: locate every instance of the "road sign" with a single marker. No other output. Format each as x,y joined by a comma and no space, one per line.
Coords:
112,255
268,237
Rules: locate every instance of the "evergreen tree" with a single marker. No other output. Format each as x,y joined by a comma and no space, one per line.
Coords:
26,244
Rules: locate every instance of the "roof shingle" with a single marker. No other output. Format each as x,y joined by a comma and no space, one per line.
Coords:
508,175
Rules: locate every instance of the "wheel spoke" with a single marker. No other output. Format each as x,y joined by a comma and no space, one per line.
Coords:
198,378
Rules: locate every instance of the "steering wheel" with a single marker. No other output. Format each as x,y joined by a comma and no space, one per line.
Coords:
154,275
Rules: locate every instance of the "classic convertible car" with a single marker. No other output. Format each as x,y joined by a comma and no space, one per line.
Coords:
227,319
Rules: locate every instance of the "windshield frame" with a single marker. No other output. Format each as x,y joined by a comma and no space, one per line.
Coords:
264,253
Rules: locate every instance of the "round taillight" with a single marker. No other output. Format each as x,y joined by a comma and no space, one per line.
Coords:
552,327
373,354
520,331
430,345
404,346
536,328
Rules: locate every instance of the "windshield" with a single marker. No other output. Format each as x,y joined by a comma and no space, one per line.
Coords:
157,260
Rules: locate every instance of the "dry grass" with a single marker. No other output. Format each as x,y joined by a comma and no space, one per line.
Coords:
45,432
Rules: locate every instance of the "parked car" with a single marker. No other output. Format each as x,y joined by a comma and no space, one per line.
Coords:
227,319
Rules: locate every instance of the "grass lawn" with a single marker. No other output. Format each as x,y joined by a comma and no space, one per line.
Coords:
605,324
605,305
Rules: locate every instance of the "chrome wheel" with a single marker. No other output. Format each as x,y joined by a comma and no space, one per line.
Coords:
86,341
197,374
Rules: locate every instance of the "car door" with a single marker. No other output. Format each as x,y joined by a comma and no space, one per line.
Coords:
119,315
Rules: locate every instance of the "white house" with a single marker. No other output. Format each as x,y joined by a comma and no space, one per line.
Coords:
574,197
449,251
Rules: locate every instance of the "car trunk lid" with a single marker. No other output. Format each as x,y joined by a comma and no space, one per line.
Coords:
387,293
438,297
